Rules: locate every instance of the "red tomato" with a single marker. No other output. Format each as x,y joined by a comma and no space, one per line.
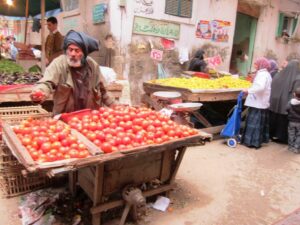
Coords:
56,145
46,147
26,141
100,136
91,136
50,157
106,147
73,153
145,124
35,155
151,128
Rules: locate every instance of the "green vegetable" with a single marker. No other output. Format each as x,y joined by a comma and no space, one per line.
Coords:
7,66
35,69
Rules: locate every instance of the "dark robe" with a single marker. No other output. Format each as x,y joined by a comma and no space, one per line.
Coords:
283,86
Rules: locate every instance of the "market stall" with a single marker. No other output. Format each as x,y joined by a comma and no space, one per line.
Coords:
204,90
140,153
21,93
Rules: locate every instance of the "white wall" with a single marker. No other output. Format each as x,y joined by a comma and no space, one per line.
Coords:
267,28
122,21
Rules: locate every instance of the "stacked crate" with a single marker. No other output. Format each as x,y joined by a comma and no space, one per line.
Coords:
12,182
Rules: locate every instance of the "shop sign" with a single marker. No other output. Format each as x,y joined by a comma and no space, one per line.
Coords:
98,13
156,54
147,26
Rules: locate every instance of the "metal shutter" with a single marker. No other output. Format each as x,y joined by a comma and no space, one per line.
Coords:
186,8
172,7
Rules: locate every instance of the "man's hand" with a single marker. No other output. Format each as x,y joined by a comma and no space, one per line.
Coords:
38,96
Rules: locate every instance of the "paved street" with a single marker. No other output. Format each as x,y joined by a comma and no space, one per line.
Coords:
218,185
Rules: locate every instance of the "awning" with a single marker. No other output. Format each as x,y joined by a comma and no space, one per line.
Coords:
19,7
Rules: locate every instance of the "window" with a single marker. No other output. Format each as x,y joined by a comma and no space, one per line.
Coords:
286,25
69,5
182,8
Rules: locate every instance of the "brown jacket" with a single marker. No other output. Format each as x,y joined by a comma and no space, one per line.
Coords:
58,81
54,46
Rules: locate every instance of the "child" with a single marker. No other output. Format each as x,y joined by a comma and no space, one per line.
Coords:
293,110
258,100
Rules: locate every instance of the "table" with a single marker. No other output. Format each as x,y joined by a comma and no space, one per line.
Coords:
203,96
21,94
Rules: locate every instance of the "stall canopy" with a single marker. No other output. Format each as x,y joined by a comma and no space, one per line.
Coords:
19,7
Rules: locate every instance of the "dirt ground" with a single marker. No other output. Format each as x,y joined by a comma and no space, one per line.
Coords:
218,185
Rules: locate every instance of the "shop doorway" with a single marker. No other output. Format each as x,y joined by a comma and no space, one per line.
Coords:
243,44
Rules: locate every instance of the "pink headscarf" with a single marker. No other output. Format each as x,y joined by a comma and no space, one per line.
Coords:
262,63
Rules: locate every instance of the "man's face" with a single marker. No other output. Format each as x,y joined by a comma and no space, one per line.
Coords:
51,26
74,55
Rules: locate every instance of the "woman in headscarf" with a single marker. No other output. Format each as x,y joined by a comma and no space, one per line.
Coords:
273,70
257,123
283,85
74,78
198,64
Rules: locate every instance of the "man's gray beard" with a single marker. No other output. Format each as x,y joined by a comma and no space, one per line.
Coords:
73,63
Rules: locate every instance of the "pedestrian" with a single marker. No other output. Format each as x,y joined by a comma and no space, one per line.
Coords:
293,110
54,41
283,86
256,130
198,63
273,67
73,78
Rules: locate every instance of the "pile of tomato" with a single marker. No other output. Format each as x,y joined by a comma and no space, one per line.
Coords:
49,140
124,127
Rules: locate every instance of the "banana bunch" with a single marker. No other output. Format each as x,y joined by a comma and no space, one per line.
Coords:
200,83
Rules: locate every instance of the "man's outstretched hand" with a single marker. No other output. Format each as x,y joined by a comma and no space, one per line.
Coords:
38,96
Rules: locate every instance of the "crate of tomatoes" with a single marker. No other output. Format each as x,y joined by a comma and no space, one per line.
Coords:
130,129
46,143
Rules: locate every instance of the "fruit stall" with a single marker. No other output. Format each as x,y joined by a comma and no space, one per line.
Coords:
16,84
195,89
111,153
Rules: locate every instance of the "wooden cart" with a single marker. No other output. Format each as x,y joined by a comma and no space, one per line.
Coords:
103,177
188,95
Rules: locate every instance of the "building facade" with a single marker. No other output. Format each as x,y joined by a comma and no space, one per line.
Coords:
175,29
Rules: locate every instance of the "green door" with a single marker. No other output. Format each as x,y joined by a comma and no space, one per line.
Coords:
243,44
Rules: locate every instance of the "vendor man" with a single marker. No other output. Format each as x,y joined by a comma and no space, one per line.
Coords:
74,78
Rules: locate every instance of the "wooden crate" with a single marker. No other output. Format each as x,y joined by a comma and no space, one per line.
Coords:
12,182
13,115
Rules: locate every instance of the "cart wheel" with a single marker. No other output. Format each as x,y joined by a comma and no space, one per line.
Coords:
231,142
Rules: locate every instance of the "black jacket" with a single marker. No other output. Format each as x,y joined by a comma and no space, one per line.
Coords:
293,110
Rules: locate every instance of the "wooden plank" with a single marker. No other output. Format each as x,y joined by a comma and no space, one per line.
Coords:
177,164
213,130
98,191
98,188
117,203
202,119
135,169
166,164
92,148
72,182
86,181
188,95
17,148
249,9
